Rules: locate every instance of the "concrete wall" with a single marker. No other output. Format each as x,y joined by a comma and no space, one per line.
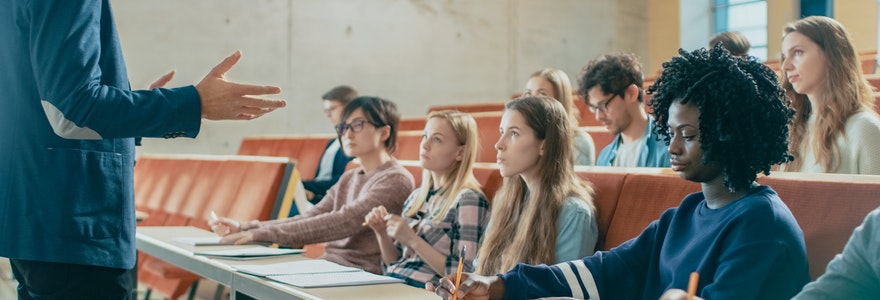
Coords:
664,37
416,53
860,19
779,13
695,24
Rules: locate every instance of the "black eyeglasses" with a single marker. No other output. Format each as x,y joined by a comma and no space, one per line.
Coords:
601,106
355,126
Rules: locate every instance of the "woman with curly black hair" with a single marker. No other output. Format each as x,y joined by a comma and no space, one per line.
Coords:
725,120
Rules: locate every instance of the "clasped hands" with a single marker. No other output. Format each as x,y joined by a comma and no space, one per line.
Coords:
391,225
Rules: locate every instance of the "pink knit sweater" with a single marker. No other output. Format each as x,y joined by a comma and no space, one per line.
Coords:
338,218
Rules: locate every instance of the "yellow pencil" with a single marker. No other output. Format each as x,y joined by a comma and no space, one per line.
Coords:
692,285
458,273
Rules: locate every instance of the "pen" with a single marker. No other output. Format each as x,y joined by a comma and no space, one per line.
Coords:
458,273
692,285
214,216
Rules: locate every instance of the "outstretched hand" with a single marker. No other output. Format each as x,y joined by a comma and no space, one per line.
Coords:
224,100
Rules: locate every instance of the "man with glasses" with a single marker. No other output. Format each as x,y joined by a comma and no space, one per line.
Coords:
612,87
333,160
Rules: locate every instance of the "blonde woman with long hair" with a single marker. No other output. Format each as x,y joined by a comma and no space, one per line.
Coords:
836,129
543,213
446,214
554,83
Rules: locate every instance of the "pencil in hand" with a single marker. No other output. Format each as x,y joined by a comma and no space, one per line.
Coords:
458,272
692,285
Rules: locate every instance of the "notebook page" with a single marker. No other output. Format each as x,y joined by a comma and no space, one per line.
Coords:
295,267
333,279
200,241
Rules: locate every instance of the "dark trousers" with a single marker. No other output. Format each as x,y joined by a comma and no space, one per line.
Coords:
45,280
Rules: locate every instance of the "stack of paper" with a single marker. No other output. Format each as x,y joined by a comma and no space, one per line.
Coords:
248,253
315,273
209,241
199,241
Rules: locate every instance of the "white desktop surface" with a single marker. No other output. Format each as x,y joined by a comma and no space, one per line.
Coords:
157,241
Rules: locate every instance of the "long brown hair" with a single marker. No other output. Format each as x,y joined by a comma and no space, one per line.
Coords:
460,175
844,93
524,224
562,89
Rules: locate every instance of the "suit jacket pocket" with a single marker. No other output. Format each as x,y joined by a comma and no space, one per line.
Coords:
85,193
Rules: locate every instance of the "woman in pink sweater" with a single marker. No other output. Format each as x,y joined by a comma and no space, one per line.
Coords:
369,133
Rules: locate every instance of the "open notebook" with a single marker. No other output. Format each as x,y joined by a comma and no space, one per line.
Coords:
333,279
315,273
310,266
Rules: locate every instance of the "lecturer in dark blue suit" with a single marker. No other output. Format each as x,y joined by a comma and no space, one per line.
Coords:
66,148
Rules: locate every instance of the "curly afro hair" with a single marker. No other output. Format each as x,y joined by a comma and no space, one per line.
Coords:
744,112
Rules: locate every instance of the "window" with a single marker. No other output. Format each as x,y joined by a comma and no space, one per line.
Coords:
749,17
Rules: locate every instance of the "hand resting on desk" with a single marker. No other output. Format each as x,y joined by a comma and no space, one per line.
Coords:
224,226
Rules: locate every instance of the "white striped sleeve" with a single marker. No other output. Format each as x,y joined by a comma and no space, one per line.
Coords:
579,279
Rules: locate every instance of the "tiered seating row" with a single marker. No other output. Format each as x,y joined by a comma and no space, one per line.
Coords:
182,190
627,199
304,150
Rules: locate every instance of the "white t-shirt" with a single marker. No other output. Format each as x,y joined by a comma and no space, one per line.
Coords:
327,161
628,153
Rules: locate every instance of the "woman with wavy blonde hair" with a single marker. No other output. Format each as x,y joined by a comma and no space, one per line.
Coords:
543,213
446,214
554,83
836,129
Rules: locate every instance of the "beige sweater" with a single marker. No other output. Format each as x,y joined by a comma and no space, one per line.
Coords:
338,218
858,148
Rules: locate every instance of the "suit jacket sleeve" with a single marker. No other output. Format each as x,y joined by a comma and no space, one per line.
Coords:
80,101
